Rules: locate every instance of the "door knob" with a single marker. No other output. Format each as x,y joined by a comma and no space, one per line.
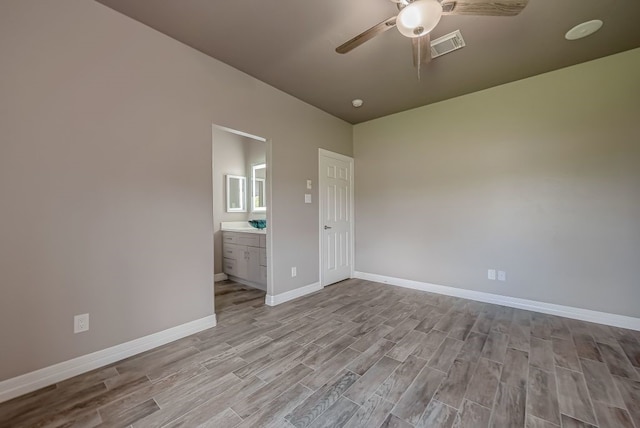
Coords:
326,227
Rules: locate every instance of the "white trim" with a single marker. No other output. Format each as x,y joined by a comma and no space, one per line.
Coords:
270,253
335,155
46,376
350,160
513,302
220,277
242,134
271,300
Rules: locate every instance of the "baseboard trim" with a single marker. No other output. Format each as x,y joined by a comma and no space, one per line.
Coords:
273,300
220,277
46,376
513,302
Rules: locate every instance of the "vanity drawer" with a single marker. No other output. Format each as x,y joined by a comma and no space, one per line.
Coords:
233,251
263,241
240,238
263,256
230,238
229,266
249,239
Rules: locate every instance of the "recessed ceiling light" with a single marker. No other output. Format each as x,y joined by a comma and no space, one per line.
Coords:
583,30
357,103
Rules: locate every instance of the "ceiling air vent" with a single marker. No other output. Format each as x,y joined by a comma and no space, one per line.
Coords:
447,43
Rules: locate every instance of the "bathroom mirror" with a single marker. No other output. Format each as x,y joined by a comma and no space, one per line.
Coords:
258,179
236,186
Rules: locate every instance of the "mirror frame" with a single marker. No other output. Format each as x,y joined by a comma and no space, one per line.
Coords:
242,197
258,182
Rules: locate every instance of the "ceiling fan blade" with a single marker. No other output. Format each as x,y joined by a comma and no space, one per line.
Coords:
367,35
421,49
483,7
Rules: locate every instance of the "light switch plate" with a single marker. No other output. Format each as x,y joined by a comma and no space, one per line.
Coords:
307,198
309,184
491,274
502,275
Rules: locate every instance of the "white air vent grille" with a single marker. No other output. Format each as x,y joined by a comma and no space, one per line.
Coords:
445,44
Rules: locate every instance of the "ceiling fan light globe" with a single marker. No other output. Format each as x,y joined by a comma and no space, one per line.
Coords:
419,18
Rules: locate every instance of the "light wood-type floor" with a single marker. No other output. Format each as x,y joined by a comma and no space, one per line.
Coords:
360,354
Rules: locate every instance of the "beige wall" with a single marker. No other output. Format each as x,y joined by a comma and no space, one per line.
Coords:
232,154
540,178
105,178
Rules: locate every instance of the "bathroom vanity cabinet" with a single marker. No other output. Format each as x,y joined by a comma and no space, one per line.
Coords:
245,257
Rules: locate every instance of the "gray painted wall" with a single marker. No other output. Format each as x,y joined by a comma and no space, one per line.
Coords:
540,178
105,178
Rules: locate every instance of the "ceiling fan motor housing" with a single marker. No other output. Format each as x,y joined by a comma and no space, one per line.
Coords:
419,17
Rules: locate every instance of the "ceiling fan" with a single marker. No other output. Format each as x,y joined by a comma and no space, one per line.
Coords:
416,19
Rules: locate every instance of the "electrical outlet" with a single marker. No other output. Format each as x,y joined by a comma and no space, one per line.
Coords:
294,272
491,274
502,275
80,323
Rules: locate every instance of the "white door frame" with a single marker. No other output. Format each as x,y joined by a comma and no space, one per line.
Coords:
327,153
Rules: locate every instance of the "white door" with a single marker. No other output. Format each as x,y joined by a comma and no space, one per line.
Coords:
336,217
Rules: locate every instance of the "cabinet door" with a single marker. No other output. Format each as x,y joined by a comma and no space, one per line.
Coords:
253,264
263,275
243,264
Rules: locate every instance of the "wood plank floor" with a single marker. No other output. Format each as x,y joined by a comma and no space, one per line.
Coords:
359,354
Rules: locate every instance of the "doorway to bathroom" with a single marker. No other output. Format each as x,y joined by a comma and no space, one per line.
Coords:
241,236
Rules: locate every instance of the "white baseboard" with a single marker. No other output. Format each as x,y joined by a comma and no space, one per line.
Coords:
273,300
220,277
513,302
46,376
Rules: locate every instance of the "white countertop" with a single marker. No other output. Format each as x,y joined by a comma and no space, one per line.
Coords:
240,226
